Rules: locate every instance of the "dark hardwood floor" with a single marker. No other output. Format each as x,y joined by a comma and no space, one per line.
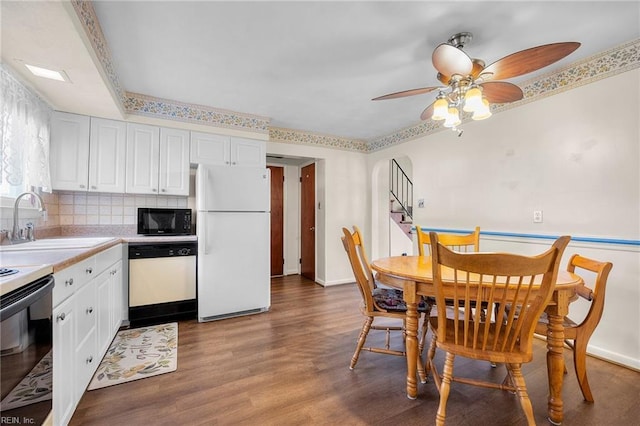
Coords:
290,366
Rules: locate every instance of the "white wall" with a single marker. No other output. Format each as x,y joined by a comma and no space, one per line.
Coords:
341,201
575,156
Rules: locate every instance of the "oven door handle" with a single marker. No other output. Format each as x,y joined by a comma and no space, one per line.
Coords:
44,287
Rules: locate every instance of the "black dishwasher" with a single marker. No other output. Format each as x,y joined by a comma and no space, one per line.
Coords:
162,281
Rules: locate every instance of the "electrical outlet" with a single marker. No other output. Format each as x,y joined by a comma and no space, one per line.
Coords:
421,203
537,216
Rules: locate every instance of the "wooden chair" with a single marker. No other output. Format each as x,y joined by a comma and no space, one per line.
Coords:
462,243
377,301
507,279
577,335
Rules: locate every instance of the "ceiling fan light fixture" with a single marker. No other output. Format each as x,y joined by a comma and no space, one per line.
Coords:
440,109
483,113
453,118
473,100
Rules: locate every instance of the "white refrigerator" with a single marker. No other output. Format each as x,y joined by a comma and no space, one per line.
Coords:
233,228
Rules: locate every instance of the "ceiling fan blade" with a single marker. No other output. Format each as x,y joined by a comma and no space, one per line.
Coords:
428,112
449,60
529,60
405,93
500,92
478,67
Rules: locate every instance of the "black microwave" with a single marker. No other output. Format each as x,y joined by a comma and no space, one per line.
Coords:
154,221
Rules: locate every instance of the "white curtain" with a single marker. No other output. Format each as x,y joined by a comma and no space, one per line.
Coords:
24,130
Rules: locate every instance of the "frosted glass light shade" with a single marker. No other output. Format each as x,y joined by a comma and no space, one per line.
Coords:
440,109
482,113
453,119
473,100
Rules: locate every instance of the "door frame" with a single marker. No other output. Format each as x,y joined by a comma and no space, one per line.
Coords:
313,254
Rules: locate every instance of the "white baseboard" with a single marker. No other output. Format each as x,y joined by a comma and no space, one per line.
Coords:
335,282
605,355
614,357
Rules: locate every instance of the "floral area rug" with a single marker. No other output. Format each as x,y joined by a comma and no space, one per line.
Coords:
35,387
137,354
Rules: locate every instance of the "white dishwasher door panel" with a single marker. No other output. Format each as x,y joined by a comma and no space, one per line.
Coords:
161,280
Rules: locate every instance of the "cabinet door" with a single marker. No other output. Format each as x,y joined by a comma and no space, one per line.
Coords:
107,147
143,144
103,288
207,148
117,292
248,152
64,372
69,152
86,346
174,162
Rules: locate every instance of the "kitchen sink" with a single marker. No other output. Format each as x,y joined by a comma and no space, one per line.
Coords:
57,243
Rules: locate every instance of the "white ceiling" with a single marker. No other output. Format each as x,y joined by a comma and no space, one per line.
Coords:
314,66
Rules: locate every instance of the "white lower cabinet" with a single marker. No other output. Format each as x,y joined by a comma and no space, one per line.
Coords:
86,317
64,372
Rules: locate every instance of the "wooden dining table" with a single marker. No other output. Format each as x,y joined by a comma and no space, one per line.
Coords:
413,275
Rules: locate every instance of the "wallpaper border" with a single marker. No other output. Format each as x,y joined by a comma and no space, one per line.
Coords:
606,64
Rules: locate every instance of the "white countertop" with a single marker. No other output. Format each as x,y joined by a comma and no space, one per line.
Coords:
25,275
39,258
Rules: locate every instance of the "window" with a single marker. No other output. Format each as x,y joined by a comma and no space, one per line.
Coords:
24,134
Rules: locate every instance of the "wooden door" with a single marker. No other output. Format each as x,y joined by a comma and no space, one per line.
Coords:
308,222
277,220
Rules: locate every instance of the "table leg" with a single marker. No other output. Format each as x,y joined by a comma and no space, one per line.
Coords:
555,366
412,349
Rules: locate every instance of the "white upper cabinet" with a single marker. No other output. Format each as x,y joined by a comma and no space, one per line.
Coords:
174,162
157,160
248,152
207,148
69,151
143,151
87,153
219,150
107,146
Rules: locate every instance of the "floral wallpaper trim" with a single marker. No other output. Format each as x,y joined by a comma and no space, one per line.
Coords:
89,20
617,60
277,134
150,106
606,64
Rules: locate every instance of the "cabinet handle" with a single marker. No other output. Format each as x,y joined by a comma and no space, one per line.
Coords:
164,190
61,317
90,310
114,272
233,163
90,359
94,187
154,190
81,186
89,270
68,282
226,162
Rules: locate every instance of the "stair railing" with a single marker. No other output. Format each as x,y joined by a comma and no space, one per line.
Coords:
401,188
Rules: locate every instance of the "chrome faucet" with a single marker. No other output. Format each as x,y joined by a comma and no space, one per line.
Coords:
17,235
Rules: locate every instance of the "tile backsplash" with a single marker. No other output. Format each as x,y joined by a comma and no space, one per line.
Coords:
109,209
69,209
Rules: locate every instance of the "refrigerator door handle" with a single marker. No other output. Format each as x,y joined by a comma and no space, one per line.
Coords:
203,235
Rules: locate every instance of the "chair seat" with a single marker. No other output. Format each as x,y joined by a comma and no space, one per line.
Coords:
392,300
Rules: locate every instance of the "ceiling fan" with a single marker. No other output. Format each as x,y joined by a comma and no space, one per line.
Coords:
472,86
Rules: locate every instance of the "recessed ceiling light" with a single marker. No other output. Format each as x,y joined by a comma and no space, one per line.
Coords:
47,73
